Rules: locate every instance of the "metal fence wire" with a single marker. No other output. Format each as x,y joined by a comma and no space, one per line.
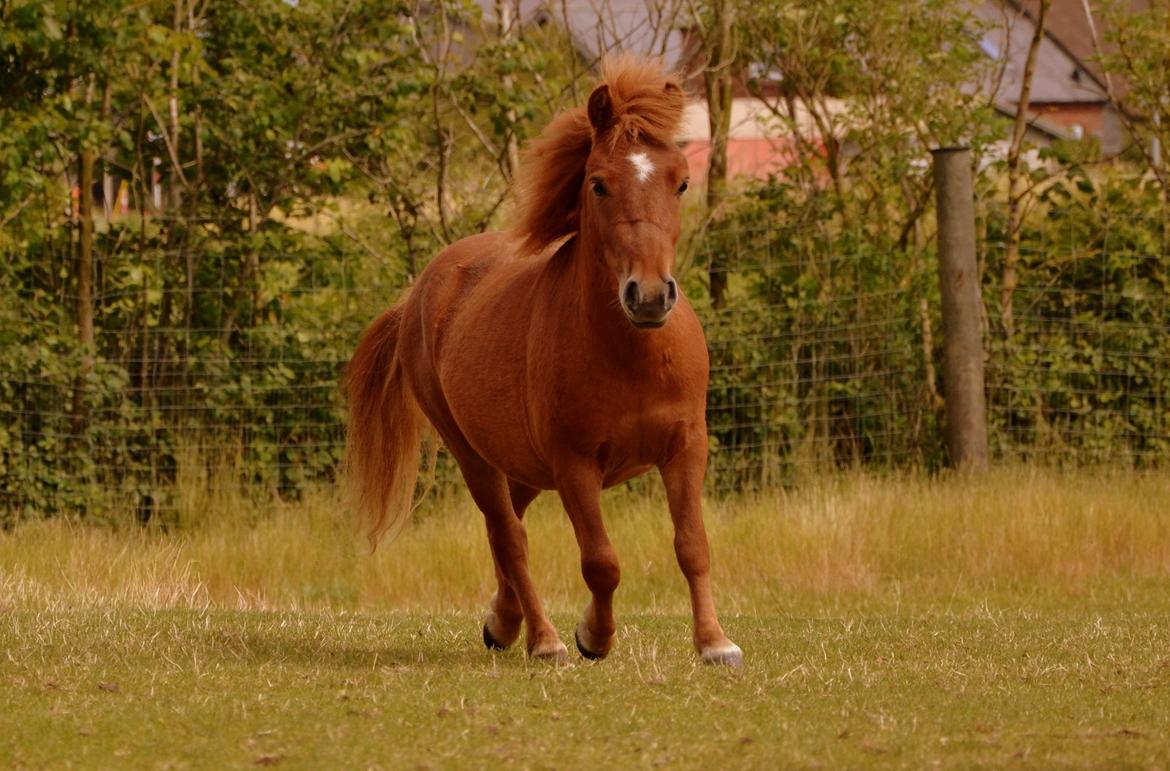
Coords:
1084,377
822,358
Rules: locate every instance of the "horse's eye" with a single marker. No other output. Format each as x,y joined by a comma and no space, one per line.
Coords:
599,188
683,187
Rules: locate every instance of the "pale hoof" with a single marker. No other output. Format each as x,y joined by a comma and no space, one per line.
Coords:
725,654
589,647
553,652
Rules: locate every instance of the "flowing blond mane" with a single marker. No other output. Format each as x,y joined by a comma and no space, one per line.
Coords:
647,106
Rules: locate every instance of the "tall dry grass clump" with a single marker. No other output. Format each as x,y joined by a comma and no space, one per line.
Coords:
1036,530
1029,527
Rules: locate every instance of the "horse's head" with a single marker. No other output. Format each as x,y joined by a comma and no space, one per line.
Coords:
630,204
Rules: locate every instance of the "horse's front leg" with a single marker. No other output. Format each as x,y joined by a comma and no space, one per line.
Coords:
683,477
579,486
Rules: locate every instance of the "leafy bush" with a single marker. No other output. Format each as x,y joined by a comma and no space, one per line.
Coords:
1085,376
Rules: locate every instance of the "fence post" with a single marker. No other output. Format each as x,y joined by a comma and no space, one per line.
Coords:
958,275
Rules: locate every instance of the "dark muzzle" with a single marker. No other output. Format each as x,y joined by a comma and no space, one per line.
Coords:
648,303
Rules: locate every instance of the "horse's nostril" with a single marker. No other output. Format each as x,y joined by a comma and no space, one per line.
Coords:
671,291
630,295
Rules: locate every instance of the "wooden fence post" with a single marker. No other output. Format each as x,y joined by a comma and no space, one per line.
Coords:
958,274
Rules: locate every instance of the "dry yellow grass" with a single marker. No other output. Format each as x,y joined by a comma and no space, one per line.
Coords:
1040,530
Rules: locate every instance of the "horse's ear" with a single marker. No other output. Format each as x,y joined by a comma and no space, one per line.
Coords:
600,109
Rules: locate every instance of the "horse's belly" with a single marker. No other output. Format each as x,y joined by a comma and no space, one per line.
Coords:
495,429
505,446
617,476
484,389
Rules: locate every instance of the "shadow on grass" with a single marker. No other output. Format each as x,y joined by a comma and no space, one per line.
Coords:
416,646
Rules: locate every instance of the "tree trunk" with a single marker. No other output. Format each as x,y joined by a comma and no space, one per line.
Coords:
504,25
1015,194
718,81
85,325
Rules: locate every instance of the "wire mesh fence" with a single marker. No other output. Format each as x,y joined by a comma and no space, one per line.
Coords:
822,358
226,383
1084,375
819,358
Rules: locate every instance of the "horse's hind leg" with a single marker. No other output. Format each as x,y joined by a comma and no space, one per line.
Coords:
501,627
509,545
580,490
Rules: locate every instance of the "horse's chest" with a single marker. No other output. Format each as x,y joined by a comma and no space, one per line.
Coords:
622,421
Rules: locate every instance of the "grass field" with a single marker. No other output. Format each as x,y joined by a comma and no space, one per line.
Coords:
1018,619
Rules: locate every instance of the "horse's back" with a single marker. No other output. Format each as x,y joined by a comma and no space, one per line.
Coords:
455,273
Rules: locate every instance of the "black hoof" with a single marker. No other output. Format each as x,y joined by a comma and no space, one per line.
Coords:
585,651
491,643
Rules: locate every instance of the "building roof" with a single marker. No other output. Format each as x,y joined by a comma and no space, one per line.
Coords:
1070,27
1060,77
642,27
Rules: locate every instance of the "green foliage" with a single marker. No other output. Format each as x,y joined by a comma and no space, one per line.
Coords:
1085,377
817,359
290,167
1137,56
280,162
866,90
822,356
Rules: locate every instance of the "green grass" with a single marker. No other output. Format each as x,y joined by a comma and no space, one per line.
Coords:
881,683
1021,619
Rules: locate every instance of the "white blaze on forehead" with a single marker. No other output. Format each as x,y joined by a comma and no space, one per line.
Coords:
643,165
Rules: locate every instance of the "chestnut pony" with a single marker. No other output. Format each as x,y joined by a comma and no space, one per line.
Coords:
558,356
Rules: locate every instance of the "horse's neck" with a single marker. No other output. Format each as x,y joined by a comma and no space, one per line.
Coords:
589,282
591,295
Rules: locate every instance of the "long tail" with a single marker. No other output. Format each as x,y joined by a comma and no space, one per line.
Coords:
385,431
